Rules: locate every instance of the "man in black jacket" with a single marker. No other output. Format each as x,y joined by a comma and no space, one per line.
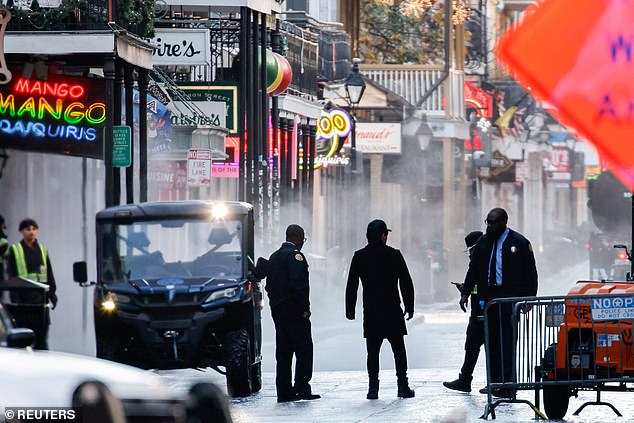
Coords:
502,266
288,290
475,329
382,271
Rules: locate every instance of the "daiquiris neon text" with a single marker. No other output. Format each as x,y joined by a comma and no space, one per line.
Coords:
42,109
333,127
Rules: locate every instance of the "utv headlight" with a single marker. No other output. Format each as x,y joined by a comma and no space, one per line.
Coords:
219,211
222,293
111,300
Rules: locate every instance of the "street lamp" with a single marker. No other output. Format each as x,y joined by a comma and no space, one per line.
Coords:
424,134
417,128
355,86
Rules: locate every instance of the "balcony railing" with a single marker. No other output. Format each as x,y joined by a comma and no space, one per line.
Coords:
413,81
334,44
302,54
84,15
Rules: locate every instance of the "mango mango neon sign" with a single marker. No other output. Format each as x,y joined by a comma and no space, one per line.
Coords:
32,111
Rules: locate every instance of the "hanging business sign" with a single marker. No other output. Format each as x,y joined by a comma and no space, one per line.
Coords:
181,47
378,138
217,92
63,115
560,159
207,113
333,128
230,168
478,99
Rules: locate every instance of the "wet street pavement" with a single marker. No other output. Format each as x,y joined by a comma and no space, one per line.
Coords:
435,352
343,391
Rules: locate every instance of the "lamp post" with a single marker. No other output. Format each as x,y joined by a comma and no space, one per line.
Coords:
355,86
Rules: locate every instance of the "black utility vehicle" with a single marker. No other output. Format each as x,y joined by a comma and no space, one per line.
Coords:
177,287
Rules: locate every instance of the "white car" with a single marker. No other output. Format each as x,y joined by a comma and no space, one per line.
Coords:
51,379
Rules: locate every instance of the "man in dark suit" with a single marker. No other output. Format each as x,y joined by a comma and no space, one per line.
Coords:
502,266
382,271
288,290
475,329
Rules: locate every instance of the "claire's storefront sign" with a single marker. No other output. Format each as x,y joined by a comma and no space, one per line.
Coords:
181,47
63,115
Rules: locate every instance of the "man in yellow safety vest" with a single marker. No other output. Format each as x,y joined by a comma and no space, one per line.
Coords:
29,259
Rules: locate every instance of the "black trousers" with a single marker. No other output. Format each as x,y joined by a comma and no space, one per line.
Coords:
373,345
475,340
292,337
501,342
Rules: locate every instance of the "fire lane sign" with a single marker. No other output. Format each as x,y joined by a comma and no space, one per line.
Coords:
578,56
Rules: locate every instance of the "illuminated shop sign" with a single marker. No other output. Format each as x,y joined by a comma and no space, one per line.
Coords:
64,115
333,128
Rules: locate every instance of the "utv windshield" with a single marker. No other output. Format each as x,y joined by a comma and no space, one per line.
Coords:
171,249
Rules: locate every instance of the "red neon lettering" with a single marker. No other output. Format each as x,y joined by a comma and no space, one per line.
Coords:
63,90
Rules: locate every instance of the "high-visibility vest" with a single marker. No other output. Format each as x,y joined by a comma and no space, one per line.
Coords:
20,263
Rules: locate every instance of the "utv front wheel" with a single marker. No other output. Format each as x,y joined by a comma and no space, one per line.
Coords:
556,399
238,363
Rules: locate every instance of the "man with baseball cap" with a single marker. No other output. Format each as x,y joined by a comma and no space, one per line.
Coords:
29,259
382,270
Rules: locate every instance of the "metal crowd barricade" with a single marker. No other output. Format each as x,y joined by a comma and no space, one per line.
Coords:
27,302
559,345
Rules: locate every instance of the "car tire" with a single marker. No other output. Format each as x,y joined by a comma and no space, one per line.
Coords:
238,363
556,399
95,403
206,403
256,377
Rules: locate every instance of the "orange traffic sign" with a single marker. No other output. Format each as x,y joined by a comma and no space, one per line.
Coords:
578,55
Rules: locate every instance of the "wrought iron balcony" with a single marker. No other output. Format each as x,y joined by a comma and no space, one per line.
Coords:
303,56
136,17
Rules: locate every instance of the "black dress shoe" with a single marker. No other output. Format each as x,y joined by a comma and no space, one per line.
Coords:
308,396
290,398
460,384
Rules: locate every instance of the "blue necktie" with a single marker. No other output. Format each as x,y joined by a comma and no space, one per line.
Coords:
492,267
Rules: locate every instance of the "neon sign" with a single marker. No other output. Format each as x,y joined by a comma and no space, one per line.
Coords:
62,115
333,127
